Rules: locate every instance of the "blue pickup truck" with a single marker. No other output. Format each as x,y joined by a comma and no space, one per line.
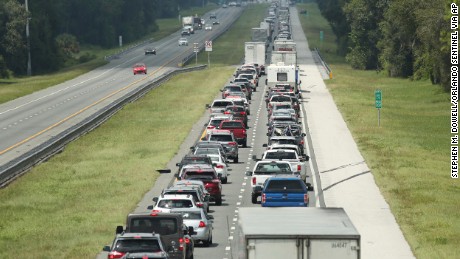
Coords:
285,191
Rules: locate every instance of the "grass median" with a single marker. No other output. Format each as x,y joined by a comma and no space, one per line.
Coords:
408,154
68,207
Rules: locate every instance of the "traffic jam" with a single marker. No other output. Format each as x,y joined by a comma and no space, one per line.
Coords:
180,220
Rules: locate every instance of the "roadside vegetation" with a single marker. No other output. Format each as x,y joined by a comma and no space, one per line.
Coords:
68,207
409,153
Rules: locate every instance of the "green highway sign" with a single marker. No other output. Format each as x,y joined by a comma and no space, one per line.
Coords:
378,99
321,35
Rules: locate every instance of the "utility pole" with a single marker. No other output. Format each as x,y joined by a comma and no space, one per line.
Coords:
29,61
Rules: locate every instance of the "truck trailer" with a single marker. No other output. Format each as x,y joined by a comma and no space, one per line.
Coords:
254,52
296,233
260,35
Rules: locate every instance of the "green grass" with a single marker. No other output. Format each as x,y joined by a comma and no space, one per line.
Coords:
408,154
68,207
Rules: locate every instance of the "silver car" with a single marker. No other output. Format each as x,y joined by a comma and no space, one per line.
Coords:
201,223
183,42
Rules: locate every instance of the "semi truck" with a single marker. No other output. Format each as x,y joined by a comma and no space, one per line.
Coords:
187,23
254,52
295,233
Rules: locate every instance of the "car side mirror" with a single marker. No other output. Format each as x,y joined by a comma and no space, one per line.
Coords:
119,230
210,217
150,207
155,199
303,134
264,145
306,158
106,249
248,173
207,106
309,187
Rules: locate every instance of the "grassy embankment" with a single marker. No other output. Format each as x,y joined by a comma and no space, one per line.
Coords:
408,154
69,206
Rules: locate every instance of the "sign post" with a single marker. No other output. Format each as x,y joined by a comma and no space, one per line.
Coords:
208,48
378,102
195,49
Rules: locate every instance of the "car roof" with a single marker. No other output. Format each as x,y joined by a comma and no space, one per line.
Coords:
188,182
186,210
137,235
175,196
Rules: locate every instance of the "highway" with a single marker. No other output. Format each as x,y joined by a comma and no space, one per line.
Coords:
32,120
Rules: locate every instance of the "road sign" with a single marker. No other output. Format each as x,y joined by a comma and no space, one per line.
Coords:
208,45
378,99
321,35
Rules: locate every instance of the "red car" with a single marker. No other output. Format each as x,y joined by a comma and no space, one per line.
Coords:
238,129
207,174
139,68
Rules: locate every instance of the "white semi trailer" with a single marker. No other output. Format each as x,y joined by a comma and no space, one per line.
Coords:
254,52
296,233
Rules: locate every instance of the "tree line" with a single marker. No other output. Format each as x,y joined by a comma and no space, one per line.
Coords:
405,38
59,27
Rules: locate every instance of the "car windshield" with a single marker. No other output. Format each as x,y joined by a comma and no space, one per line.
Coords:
222,138
280,155
232,125
284,141
189,215
285,186
281,98
198,160
137,245
199,175
205,151
149,224
221,104
233,88
282,106
273,168
174,203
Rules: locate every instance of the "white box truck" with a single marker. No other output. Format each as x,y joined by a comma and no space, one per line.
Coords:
254,52
281,74
287,57
296,233
187,23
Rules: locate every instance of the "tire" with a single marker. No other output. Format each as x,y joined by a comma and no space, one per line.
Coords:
245,143
235,160
254,199
208,242
224,180
219,201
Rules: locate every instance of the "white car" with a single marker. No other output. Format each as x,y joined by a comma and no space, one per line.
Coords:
220,166
208,27
167,202
183,42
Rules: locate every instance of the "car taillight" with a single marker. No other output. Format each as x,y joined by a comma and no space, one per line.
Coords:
264,198
227,112
155,211
232,143
305,198
199,205
220,166
202,224
244,132
243,113
211,127
253,181
187,240
115,254
301,142
299,167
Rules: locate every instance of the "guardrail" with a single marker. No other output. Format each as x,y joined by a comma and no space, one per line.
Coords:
325,65
17,167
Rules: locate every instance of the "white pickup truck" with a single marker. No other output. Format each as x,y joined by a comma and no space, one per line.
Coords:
296,162
264,170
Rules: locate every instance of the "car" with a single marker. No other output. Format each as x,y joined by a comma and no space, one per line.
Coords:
213,16
201,199
238,129
214,122
285,191
145,245
224,6
220,166
185,32
201,223
183,42
193,160
208,175
175,235
150,51
208,27
226,138
139,68
215,22
166,202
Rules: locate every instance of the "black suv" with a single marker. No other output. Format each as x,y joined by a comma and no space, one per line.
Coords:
174,235
194,159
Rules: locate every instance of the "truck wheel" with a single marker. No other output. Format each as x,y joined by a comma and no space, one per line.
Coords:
254,199
219,201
